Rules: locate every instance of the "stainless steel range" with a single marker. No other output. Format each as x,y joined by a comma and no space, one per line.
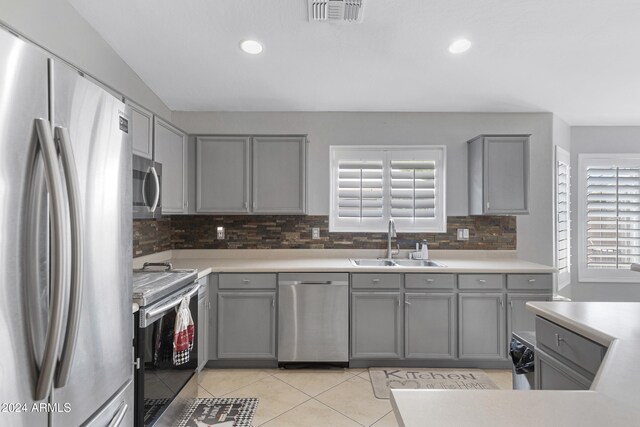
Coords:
162,389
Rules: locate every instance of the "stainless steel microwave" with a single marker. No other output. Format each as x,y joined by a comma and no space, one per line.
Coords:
147,188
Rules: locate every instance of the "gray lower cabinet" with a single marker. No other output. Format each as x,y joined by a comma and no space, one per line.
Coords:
247,325
550,374
482,331
202,328
518,317
376,325
212,328
430,325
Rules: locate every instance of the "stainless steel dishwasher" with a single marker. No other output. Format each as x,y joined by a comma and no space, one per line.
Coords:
313,320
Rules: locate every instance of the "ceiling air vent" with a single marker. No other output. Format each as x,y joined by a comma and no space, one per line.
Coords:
336,10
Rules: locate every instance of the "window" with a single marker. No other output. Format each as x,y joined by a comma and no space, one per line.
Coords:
563,217
609,199
369,185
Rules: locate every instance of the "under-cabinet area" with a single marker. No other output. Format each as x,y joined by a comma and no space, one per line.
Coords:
442,319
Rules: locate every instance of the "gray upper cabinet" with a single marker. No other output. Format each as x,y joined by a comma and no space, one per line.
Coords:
499,175
251,174
430,325
376,325
222,169
247,325
279,177
170,149
141,130
482,326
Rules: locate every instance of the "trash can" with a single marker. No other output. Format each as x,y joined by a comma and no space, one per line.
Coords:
522,351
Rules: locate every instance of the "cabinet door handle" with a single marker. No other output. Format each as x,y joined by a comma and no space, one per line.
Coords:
511,305
375,280
407,302
246,281
501,303
429,280
482,280
273,302
559,339
532,280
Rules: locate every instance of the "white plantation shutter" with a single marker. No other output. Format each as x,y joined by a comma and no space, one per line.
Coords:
413,189
372,184
611,203
563,217
360,189
613,217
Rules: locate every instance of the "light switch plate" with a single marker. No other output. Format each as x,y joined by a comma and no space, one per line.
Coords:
220,233
315,233
463,234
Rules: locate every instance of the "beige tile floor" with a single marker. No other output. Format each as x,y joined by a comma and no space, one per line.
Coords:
341,397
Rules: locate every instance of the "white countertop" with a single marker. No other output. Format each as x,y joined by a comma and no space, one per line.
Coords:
614,398
323,260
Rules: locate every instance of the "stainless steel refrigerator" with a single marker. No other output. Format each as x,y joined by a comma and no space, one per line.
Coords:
65,245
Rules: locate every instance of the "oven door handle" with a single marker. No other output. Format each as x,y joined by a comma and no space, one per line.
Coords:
119,416
173,303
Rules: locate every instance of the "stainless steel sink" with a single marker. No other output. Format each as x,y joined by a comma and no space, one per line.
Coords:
373,262
417,263
395,263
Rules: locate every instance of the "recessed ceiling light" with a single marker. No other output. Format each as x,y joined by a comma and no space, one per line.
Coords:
251,46
459,46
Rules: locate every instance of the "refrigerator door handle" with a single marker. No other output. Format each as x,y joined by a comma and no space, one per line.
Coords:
77,238
54,329
156,198
119,416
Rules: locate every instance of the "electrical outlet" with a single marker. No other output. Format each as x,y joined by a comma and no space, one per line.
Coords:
315,233
220,233
463,234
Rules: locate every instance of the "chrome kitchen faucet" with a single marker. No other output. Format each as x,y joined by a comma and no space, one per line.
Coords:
391,233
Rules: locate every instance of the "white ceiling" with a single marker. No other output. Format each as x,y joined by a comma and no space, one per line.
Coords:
576,58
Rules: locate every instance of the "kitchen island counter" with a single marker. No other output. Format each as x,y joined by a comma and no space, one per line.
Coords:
612,399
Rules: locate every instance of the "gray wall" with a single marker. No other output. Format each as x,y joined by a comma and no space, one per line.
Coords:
599,139
55,25
450,129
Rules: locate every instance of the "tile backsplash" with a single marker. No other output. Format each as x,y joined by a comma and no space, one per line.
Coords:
151,236
294,232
